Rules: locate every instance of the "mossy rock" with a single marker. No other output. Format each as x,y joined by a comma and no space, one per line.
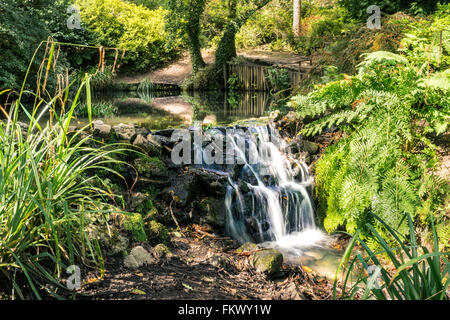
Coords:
135,225
267,261
155,214
157,233
151,167
247,247
161,250
212,211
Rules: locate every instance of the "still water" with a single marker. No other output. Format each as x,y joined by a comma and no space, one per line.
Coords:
157,111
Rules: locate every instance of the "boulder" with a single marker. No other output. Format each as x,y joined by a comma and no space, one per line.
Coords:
138,257
212,211
308,146
151,167
101,129
268,261
124,131
151,147
247,247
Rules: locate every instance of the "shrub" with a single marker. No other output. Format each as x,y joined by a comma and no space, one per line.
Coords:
125,25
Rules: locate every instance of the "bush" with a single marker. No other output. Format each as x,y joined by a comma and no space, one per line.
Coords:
358,9
139,30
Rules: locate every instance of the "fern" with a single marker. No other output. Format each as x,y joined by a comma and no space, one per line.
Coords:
382,165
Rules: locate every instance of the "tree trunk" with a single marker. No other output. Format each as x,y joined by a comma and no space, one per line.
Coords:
297,17
195,50
227,45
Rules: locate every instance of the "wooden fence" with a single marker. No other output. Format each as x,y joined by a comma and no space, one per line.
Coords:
253,77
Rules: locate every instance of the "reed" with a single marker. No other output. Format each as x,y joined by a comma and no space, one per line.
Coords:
48,201
411,272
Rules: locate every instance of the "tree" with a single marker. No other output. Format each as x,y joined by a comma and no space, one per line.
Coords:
297,17
185,17
238,17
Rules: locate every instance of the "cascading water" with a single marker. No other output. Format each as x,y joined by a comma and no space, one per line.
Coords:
269,194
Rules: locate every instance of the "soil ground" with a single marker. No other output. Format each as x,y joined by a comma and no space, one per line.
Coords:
190,273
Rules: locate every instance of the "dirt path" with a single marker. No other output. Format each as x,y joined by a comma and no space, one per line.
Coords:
178,71
174,73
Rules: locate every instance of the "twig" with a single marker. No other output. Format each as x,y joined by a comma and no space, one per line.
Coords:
174,219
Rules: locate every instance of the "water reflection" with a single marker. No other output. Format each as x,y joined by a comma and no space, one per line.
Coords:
158,111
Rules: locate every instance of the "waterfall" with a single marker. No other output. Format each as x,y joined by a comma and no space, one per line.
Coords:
269,196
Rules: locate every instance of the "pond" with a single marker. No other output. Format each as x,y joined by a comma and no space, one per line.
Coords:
158,111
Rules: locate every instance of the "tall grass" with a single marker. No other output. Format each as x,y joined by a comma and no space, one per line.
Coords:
48,202
411,272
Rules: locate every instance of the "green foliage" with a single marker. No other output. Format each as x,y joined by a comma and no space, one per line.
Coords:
18,43
417,273
278,79
385,153
49,210
358,8
98,110
136,29
134,224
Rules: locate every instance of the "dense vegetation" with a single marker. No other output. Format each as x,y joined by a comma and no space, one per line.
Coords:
392,114
384,93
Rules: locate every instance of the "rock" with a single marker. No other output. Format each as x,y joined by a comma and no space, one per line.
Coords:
101,129
157,233
268,261
159,140
124,131
247,247
309,146
134,224
212,183
182,190
151,148
138,257
151,168
161,250
291,116
165,133
275,116
218,261
212,211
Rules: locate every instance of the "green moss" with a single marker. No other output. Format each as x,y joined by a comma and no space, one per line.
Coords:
151,167
161,249
268,261
134,224
157,233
